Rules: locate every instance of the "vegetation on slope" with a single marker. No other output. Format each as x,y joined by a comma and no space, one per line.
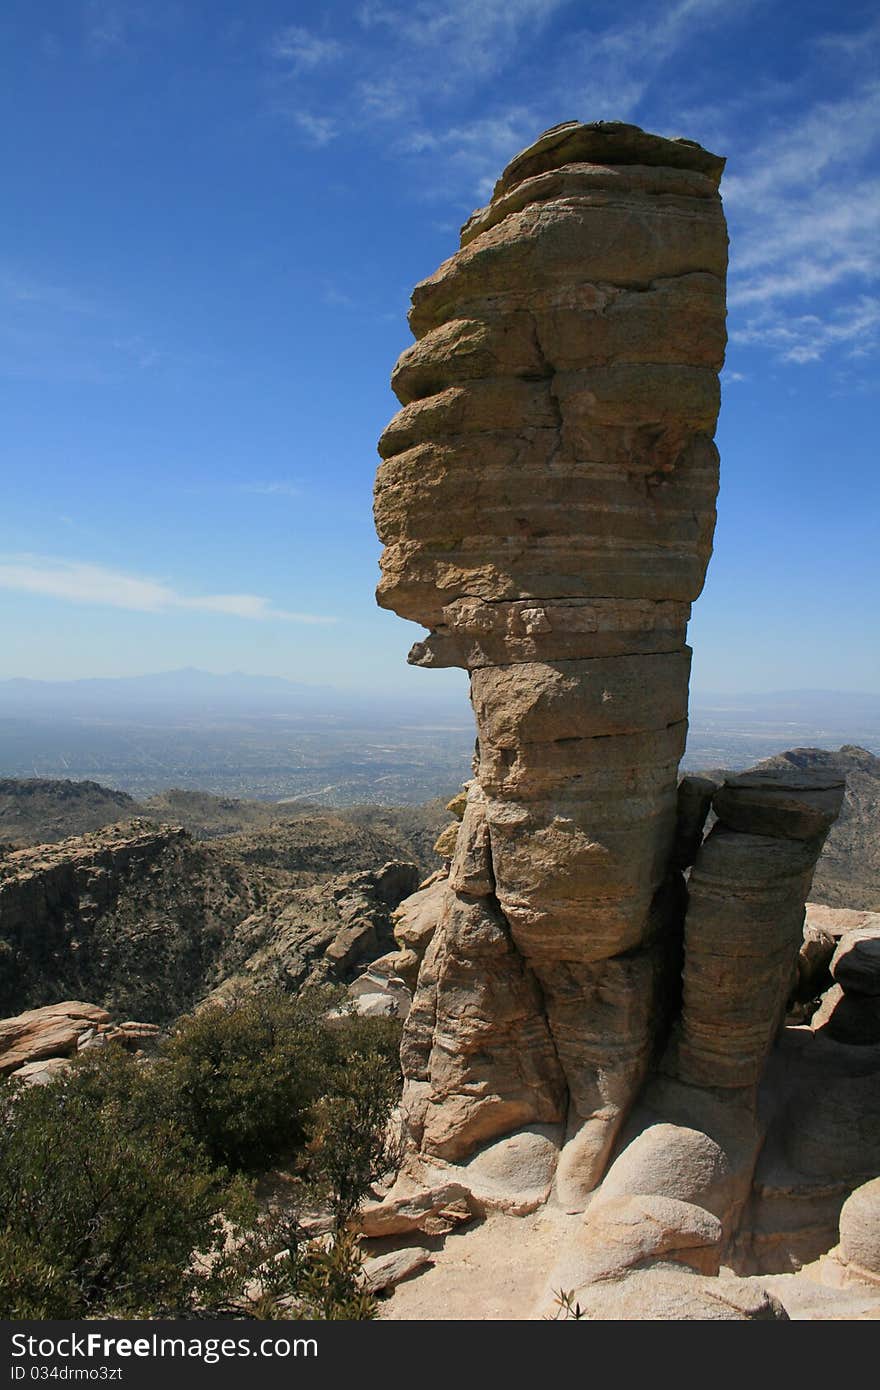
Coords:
126,1188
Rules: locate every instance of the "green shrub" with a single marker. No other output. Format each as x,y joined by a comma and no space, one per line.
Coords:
101,1204
351,1146
251,1082
116,1195
242,1079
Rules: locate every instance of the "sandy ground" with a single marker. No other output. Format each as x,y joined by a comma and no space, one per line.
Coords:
492,1269
497,1269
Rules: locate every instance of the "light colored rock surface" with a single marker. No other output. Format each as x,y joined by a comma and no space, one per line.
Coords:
855,964
40,1073
490,1270
502,1267
477,1051
807,1299
674,1162
513,1174
860,1228
415,920
53,1031
546,502
623,1233
744,923
837,921
384,1271
668,1294
433,1210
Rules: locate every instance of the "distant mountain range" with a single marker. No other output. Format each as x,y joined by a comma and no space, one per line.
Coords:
804,704
190,689
239,692
275,739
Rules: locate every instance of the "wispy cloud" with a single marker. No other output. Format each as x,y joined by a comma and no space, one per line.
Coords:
19,288
106,24
621,61
805,221
477,150
474,39
318,130
421,54
77,581
422,60
276,489
112,28
303,50
801,338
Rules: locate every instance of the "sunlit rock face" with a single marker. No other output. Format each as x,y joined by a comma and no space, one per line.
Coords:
547,502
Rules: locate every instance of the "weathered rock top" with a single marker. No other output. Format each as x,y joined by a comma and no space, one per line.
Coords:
81,849
607,142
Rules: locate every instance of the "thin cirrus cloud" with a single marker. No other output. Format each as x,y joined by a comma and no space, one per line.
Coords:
76,581
275,489
303,50
806,220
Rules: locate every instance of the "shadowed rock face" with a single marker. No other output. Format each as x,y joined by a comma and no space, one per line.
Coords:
547,504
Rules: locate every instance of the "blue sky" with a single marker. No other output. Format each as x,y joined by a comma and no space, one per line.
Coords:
214,215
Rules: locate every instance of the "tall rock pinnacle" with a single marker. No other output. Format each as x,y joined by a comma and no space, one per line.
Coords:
547,502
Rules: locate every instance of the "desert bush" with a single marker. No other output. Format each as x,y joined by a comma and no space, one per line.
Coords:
101,1204
118,1192
256,1081
242,1078
351,1145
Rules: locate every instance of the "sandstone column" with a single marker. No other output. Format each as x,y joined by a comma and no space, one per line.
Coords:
547,504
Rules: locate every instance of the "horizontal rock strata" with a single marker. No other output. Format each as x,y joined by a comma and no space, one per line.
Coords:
744,924
547,501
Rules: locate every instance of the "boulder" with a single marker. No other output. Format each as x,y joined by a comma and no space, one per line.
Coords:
670,1161
791,803
53,1031
855,964
860,1228
385,1271
434,1210
668,1294
513,1174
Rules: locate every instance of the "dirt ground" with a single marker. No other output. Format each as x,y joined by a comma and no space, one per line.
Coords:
497,1269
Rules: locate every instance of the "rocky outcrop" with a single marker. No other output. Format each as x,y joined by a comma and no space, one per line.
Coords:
601,981
547,502
848,873
860,1232
324,934
149,921
36,1045
744,922
89,917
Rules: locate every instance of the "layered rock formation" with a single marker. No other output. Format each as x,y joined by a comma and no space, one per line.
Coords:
547,503
149,921
36,1045
598,981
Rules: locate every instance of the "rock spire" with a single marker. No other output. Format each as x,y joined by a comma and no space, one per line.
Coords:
547,504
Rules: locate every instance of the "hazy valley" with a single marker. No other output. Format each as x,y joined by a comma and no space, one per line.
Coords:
268,739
